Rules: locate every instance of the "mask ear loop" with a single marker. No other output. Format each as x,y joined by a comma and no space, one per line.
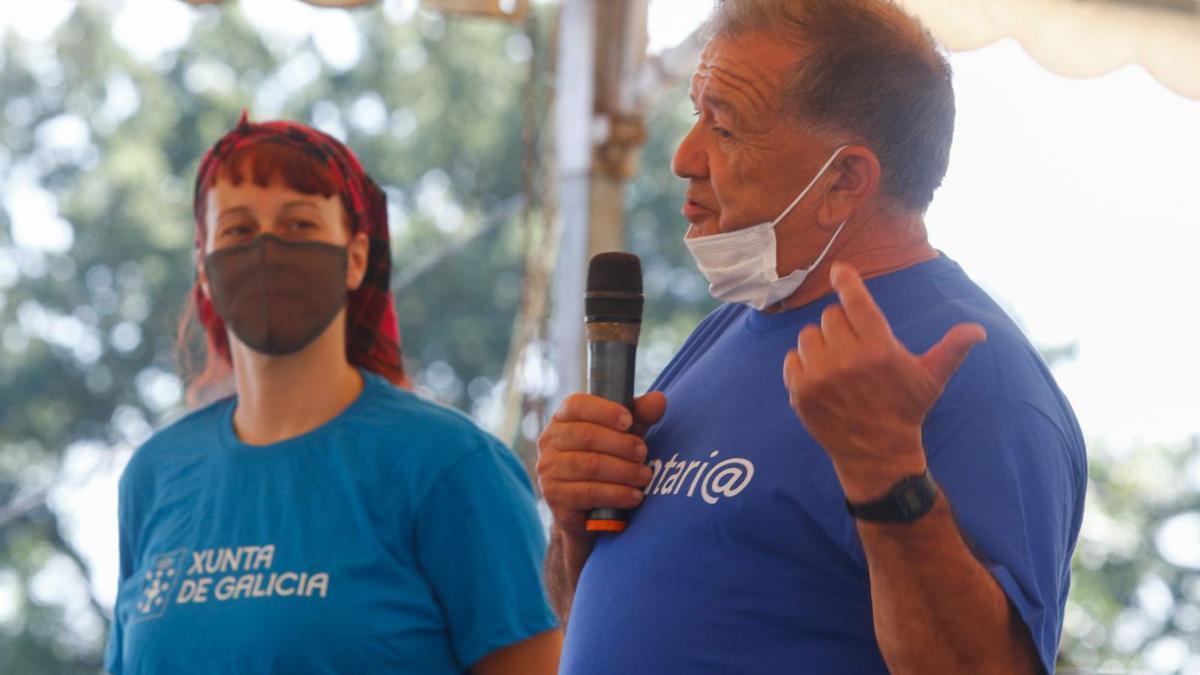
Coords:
828,163
828,246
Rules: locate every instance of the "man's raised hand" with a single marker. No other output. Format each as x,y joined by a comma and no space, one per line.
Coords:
861,394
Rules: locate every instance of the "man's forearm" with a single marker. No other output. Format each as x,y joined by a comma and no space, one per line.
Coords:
936,608
564,561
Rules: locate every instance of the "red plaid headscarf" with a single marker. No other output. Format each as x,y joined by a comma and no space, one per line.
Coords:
372,332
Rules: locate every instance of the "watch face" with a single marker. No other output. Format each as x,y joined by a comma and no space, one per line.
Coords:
910,499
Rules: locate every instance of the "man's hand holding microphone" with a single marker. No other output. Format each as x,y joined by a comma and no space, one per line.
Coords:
591,457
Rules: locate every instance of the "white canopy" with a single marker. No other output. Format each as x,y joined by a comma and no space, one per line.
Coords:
1079,39
1068,37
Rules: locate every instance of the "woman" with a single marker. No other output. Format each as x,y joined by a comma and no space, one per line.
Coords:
321,520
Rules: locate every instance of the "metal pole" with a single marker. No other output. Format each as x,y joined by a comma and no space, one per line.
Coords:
598,135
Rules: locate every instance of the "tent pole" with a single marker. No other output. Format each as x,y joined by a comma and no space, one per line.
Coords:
598,134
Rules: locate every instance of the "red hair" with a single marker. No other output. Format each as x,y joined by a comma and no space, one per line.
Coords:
260,162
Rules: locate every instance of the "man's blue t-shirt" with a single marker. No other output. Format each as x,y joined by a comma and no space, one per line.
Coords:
396,538
743,559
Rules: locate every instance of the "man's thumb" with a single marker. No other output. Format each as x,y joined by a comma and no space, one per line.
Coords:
947,355
649,409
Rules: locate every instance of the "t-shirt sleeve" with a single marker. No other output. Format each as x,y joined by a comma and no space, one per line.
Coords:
480,545
1015,483
113,656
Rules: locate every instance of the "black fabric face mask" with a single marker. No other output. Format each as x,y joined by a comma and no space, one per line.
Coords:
276,295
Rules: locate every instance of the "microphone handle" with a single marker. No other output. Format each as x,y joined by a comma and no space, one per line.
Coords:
611,353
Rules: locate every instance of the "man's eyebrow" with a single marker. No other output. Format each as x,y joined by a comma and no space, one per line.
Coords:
719,103
714,101
724,105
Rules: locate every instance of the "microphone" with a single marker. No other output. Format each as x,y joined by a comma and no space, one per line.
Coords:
612,320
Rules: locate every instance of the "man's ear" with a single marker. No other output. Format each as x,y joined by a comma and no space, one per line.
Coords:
857,176
357,252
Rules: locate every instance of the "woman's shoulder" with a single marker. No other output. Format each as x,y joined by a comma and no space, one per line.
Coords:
400,438
191,431
387,405
417,422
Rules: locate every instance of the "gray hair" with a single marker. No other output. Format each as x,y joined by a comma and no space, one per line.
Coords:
865,69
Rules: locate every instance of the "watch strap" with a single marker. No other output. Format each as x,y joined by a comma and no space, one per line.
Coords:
907,501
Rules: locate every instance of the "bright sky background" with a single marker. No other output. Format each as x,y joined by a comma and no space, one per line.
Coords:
1075,203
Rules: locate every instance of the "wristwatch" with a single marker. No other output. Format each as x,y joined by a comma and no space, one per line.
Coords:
907,501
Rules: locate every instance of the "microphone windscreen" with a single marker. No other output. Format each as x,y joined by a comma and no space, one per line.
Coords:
614,288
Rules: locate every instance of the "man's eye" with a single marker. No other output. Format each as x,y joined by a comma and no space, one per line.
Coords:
723,132
304,225
236,231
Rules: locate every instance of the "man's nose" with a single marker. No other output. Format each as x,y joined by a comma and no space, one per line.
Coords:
690,160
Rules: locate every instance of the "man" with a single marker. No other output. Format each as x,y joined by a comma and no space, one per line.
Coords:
907,495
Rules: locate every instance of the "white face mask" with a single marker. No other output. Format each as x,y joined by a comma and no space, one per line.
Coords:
740,265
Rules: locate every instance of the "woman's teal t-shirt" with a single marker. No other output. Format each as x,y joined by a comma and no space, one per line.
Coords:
396,538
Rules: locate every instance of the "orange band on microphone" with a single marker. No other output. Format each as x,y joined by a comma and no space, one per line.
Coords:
605,526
